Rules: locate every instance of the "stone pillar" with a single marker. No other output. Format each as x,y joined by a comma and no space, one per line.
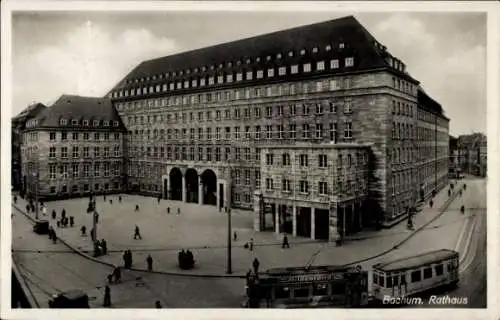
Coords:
184,198
276,219
258,214
294,221
200,190
218,202
333,225
313,223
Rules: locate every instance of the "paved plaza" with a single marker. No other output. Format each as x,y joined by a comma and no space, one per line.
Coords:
203,230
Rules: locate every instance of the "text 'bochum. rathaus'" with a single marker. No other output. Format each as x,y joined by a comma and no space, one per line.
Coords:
318,129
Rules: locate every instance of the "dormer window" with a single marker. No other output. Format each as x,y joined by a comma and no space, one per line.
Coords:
136,80
167,75
147,78
106,123
302,52
229,64
278,56
154,77
341,45
248,61
63,122
195,69
290,54
315,50
328,48
115,123
349,62
74,122
85,122
161,76
174,73
257,59
181,73
96,123
212,67
204,68
220,66
188,71
268,58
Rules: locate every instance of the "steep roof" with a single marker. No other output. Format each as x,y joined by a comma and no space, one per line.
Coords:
348,30
30,111
79,108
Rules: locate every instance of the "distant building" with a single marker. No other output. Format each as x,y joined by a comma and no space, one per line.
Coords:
18,124
472,154
198,122
73,148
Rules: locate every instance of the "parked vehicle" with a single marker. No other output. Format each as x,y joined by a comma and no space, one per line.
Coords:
41,227
415,274
74,299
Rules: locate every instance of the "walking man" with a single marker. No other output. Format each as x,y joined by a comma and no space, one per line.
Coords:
168,210
251,244
137,233
136,208
157,304
117,273
120,199
107,296
149,260
431,203
159,199
178,210
256,265
53,214
285,242
235,236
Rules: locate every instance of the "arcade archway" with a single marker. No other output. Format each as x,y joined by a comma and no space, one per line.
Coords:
191,185
209,180
176,184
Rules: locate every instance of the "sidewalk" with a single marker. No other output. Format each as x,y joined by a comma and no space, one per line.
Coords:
203,230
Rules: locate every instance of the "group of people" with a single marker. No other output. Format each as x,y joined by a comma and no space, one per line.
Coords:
186,259
100,248
127,259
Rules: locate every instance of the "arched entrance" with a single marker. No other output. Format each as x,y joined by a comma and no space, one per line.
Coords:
191,185
176,184
209,180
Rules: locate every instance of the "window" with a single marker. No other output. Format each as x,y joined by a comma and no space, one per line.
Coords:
304,160
320,65
307,67
86,152
427,273
304,186
249,75
270,73
52,136
348,130
64,136
319,131
96,136
52,171
323,161
75,170
64,152
334,64
347,106
295,69
293,131
305,131
286,185
260,74
52,152
416,276
323,188
282,71
439,269
269,184
349,62
269,159
75,152
257,179
286,159
269,132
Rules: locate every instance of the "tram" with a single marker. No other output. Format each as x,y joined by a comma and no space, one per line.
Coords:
309,287
415,274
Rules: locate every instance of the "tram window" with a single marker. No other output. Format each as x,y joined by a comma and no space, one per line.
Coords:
439,269
381,281
448,267
403,279
416,276
282,293
427,273
389,282
320,289
301,292
338,288
375,278
395,281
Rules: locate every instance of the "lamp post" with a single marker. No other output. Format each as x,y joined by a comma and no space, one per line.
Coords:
35,174
229,268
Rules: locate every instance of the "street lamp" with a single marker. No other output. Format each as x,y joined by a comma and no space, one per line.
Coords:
229,269
35,174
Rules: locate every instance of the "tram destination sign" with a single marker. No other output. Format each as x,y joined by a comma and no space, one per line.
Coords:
312,277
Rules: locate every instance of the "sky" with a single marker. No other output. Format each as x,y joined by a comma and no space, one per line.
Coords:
56,53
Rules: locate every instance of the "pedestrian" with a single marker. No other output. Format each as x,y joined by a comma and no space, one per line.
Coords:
120,199
27,208
136,208
117,273
104,246
149,260
285,242
157,304
130,258
110,201
159,199
235,236
251,244
66,221
50,232
44,210
83,229
449,193
53,214
168,210
107,296
256,265
63,213
178,210
137,233
125,258
431,203
58,224
96,217
104,197
110,278
71,221
92,234
15,199
54,236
